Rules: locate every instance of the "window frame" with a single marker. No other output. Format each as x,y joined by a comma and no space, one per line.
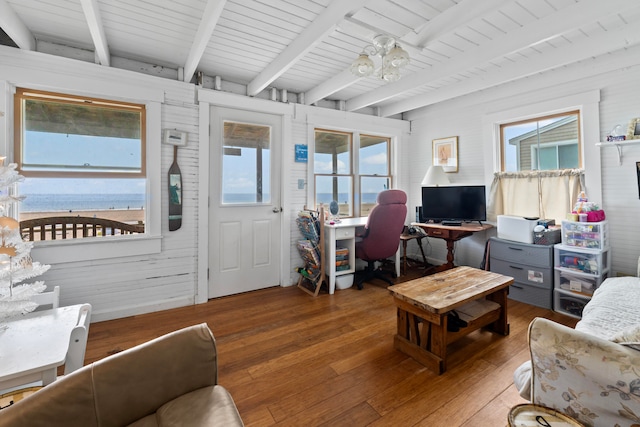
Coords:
26,94
388,176
354,175
536,118
122,246
534,104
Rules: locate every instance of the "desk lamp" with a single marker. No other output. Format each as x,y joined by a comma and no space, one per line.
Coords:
435,177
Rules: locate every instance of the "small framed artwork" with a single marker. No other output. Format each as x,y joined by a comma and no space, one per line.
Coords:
633,131
445,153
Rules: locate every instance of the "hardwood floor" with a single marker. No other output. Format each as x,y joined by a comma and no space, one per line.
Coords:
294,360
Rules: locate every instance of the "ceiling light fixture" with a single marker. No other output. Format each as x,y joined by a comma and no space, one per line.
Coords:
392,55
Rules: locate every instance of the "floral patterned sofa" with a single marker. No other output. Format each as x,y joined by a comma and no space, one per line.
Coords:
592,372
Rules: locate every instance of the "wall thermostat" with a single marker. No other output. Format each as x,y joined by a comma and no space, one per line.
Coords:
175,137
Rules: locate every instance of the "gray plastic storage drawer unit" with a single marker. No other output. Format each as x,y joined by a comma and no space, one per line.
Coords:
531,267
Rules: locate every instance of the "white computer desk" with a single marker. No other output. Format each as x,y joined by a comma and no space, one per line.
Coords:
343,234
34,345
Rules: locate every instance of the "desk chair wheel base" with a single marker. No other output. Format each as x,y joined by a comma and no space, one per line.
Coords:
371,272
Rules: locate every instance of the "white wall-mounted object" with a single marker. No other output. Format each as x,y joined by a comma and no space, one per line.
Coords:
618,145
174,137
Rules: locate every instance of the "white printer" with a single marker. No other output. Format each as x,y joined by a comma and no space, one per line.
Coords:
516,228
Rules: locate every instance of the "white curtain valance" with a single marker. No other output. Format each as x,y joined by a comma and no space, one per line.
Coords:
548,194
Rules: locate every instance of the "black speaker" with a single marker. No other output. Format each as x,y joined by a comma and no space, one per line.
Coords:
418,213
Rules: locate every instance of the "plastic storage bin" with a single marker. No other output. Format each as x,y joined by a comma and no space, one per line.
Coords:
344,282
589,235
589,261
569,303
574,281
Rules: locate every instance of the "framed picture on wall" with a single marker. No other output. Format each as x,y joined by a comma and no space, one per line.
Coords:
633,131
445,153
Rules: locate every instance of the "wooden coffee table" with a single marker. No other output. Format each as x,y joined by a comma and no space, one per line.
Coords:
479,297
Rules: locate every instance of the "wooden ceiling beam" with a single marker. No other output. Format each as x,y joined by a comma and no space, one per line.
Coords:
323,25
560,22
453,18
11,24
338,82
208,23
94,21
602,44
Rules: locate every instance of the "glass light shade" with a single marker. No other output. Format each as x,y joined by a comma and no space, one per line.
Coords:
397,57
435,177
363,66
390,74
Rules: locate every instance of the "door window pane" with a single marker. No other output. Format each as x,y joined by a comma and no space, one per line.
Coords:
246,163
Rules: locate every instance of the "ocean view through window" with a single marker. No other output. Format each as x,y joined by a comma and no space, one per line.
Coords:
122,200
81,202
350,168
84,163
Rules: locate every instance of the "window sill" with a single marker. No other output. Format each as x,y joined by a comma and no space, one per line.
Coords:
91,249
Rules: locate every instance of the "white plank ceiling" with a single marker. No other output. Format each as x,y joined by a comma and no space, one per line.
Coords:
306,46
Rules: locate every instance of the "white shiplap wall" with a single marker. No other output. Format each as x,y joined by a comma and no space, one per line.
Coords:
620,187
615,77
118,286
123,286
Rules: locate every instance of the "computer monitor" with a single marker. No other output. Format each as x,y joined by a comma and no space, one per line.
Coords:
454,203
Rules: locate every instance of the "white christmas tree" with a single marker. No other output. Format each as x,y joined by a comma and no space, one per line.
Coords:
16,264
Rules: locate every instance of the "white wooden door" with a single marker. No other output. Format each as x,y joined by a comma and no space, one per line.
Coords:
245,211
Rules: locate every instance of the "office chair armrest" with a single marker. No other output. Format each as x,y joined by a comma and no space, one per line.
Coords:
362,232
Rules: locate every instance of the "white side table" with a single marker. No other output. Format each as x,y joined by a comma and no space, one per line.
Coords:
34,345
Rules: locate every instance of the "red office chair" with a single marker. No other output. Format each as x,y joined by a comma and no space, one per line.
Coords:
382,233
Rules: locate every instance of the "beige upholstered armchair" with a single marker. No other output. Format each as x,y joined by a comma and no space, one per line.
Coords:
594,380
170,381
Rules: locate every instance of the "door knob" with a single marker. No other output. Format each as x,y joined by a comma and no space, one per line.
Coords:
277,210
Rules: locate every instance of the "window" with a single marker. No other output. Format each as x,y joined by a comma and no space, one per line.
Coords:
544,143
373,170
540,161
80,157
350,168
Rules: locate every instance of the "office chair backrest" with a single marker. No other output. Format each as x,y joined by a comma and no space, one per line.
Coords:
384,226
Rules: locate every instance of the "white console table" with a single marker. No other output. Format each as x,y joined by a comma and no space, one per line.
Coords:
344,234
34,345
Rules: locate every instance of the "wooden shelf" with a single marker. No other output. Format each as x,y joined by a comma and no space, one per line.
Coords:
618,145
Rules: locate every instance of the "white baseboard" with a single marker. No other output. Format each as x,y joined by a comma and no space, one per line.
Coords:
110,314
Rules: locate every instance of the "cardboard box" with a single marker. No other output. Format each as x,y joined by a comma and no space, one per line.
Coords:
516,228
